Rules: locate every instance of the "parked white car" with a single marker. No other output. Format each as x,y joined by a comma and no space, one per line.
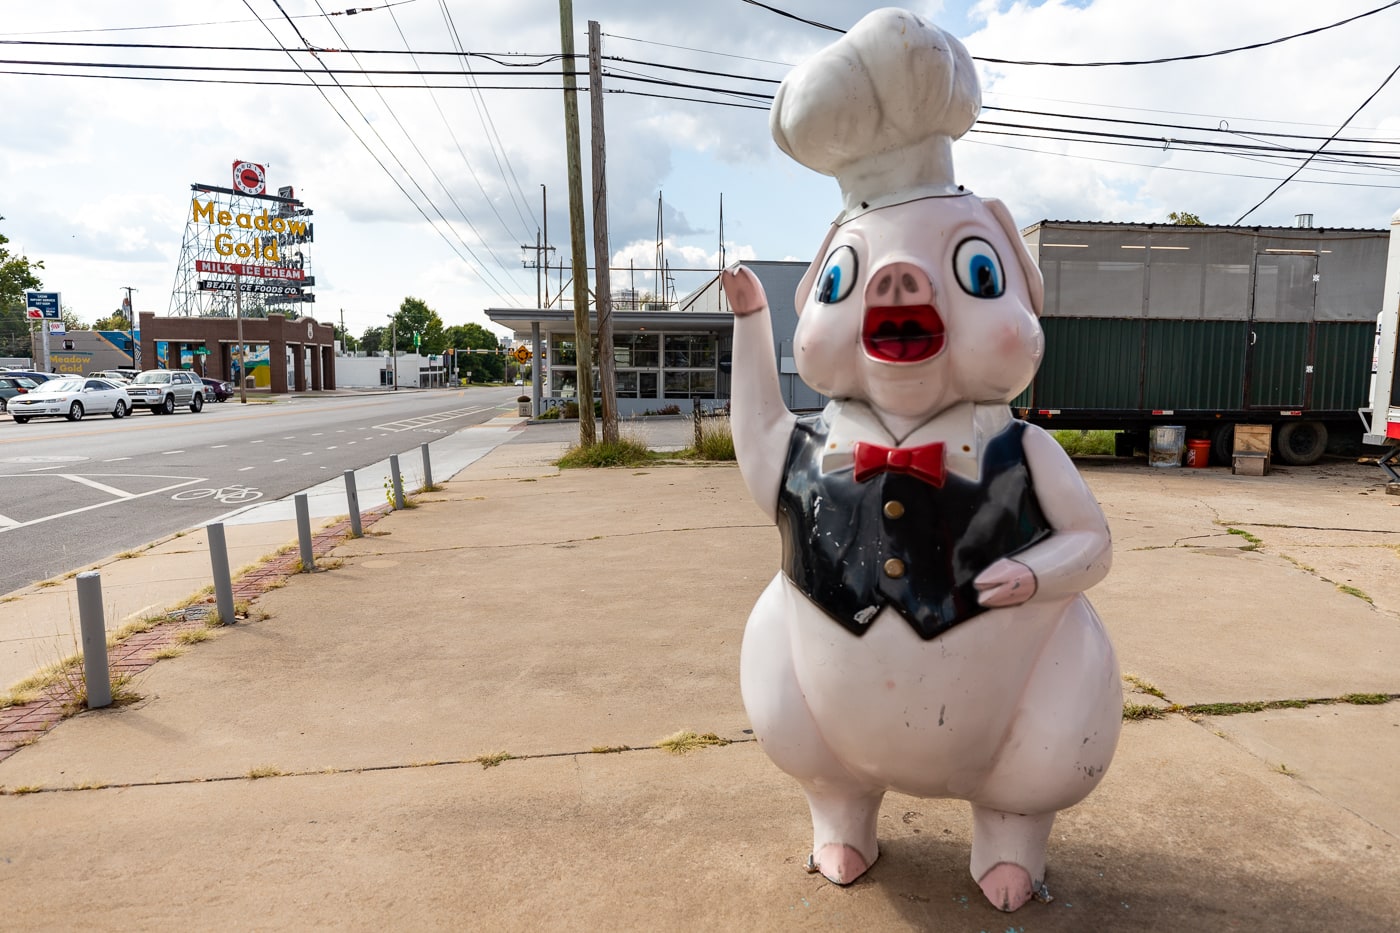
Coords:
164,390
71,398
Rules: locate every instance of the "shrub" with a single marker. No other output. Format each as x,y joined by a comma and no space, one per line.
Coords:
1085,443
716,440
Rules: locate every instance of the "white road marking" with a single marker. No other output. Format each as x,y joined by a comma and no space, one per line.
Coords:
283,460
408,424
101,505
116,459
7,522
307,453
290,437
318,433
169,452
255,442
244,469
217,446
332,447
42,469
102,487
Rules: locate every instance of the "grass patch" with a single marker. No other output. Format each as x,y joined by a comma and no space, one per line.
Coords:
624,452
193,636
716,440
1085,443
128,555
169,651
27,789
493,759
1366,699
1252,542
45,584
1353,591
266,771
609,749
201,596
687,741
1136,712
1282,768
1142,686
136,627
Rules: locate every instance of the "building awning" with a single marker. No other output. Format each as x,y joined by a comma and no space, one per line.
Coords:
520,320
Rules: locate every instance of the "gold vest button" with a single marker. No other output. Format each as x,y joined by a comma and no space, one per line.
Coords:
894,568
894,509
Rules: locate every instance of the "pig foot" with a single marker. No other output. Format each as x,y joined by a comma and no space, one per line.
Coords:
839,864
843,830
1008,855
1007,886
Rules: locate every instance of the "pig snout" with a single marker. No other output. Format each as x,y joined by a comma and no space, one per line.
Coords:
901,323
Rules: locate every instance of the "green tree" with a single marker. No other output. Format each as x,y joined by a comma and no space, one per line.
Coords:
17,275
375,339
70,319
415,317
1185,219
347,341
114,321
484,367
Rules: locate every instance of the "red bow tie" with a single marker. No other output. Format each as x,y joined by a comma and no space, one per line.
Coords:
925,463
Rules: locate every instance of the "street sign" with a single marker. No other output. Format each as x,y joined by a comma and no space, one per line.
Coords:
42,305
522,354
57,329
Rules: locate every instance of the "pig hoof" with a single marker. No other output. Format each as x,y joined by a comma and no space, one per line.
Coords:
1007,886
839,864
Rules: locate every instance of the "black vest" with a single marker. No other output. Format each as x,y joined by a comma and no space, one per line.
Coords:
854,548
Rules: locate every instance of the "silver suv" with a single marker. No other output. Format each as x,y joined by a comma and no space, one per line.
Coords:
163,390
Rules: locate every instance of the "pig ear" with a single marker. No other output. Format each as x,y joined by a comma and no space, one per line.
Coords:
1035,285
804,287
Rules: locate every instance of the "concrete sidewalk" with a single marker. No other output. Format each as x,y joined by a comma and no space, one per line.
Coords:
338,763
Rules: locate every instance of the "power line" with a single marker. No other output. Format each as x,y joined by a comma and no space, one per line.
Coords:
227,22
1323,146
1148,61
499,58
496,286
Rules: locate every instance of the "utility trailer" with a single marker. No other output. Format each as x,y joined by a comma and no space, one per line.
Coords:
1208,327
1383,416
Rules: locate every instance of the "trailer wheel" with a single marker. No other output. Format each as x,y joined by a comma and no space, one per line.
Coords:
1222,444
1302,443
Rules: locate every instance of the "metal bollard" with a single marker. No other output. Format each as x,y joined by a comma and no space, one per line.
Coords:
397,481
95,670
427,468
223,582
308,559
352,497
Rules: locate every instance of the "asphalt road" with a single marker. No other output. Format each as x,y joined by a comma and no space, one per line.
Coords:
72,493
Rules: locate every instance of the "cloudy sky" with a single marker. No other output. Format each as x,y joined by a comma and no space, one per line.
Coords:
431,191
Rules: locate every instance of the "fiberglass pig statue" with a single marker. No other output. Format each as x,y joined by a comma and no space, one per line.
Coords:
928,631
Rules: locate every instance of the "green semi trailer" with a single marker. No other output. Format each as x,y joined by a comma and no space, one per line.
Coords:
1208,327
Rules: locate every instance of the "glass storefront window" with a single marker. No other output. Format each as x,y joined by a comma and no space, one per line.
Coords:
690,351
562,350
690,384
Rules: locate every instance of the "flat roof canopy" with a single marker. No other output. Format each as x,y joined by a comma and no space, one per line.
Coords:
520,320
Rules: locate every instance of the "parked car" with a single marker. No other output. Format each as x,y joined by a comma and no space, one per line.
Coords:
163,390
10,386
34,375
72,398
115,375
222,391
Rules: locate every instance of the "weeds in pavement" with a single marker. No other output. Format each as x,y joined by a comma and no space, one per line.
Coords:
687,741
1253,542
1135,712
492,760
609,749
1353,591
1142,686
169,651
1367,699
193,636
266,771
626,451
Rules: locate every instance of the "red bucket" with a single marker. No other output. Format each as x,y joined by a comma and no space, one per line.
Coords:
1198,454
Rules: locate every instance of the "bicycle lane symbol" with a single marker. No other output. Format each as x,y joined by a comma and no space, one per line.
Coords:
234,494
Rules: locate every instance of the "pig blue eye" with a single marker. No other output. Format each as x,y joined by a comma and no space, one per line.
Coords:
978,269
838,276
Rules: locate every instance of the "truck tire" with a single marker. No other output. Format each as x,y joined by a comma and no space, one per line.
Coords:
1302,443
1222,444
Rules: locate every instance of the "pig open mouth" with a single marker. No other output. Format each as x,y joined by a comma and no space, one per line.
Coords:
902,334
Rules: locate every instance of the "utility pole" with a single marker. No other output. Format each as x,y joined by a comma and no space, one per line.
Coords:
394,347
602,279
130,323
542,249
583,339
242,356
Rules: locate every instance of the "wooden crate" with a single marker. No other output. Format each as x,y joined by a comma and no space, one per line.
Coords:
1253,449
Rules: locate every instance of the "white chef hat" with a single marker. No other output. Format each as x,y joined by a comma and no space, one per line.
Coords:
879,109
